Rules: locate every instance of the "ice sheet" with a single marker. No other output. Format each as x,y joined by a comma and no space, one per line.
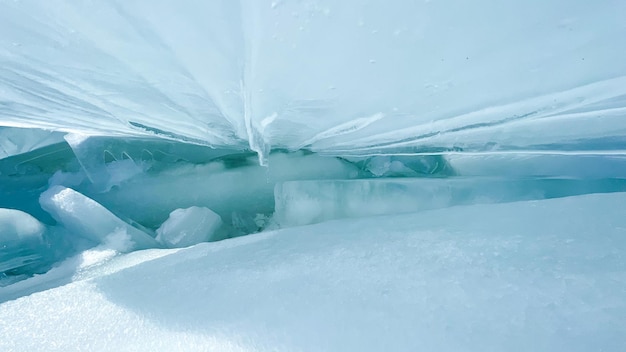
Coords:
336,77
308,202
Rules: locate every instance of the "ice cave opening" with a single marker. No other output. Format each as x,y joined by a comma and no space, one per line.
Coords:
312,175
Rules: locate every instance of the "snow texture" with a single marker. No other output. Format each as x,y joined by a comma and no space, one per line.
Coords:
543,275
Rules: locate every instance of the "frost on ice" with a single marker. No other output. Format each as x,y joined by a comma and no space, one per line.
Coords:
412,175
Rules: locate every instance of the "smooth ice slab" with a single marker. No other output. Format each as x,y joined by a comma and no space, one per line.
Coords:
587,166
308,202
527,276
186,227
84,217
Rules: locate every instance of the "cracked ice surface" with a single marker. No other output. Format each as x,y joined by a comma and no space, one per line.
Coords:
334,77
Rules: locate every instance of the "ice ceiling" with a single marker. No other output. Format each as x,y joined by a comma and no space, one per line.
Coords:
442,174
349,77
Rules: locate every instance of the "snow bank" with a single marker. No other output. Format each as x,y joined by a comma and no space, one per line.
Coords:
536,275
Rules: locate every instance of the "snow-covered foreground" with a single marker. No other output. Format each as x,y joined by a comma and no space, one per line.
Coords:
545,275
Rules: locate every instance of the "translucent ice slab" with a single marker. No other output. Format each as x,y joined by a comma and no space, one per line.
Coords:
307,202
84,217
333,76
15,141
21,240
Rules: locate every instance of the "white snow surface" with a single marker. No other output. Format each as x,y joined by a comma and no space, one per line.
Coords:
545,275
337,77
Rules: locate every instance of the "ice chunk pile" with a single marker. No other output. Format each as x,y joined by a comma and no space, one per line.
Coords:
129,194
118,193
230,184
82,216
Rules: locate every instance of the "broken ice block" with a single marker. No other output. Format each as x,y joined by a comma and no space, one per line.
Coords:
21,240
186,227
85,217
308,202
224,186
